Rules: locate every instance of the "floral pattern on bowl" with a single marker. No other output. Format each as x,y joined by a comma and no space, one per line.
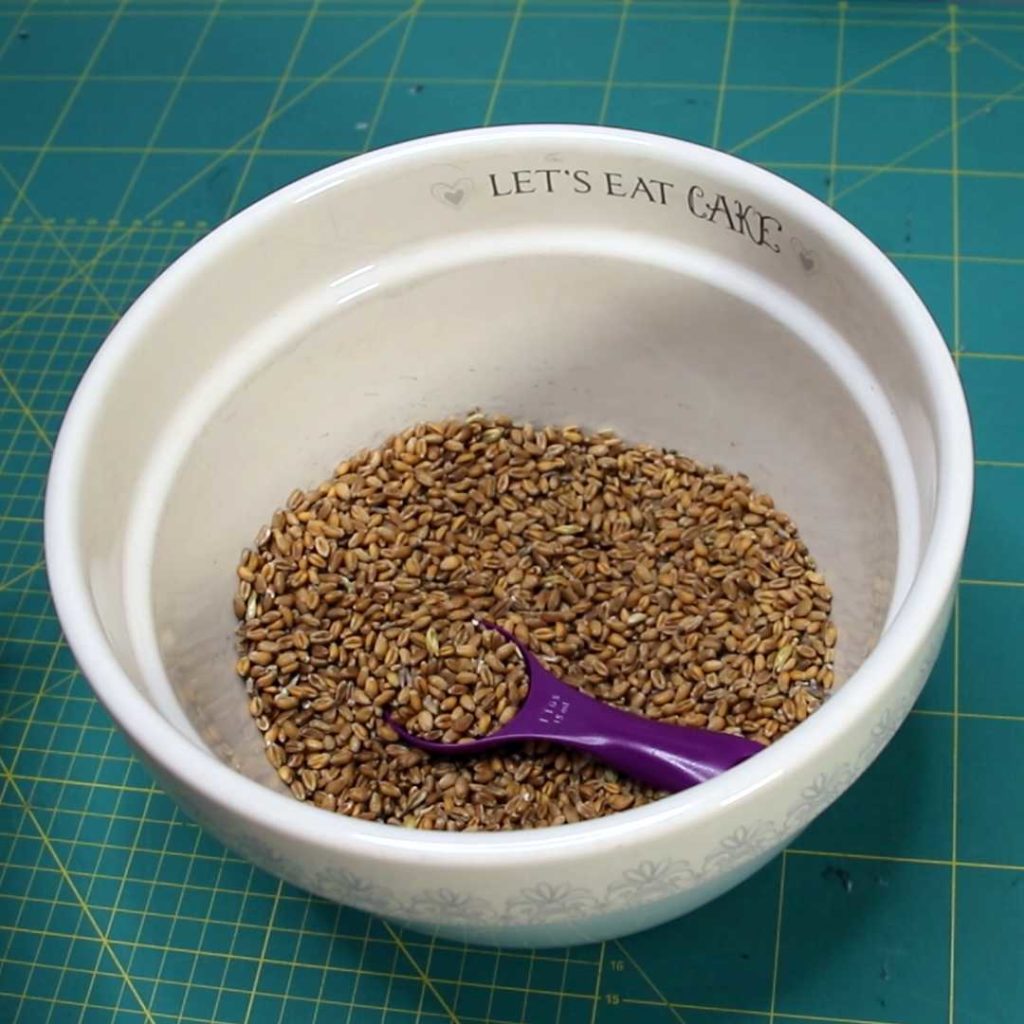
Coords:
645,882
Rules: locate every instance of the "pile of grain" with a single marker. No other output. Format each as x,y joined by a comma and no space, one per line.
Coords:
638,575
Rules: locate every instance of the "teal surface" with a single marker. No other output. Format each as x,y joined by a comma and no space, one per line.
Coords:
129,129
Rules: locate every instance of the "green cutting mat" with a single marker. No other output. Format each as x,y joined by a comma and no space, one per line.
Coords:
128,129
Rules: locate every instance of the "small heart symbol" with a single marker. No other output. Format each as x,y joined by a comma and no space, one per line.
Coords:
808,257
452,194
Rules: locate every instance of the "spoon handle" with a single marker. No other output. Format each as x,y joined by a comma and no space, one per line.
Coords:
669,757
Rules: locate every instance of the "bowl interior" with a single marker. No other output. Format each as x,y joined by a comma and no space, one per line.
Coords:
320,322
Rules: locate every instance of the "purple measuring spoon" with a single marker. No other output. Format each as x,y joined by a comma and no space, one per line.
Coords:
669,757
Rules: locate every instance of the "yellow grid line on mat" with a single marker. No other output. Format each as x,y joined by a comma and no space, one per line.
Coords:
69,882
495,969
829,94
282,84
773,996
14,580
663,1000
15,29
613,63
676,85
389,82
506,54
723,78
23,408
954,157
833,148
427,981
811,1018
756,15
598,982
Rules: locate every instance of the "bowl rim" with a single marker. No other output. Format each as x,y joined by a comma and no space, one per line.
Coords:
198,770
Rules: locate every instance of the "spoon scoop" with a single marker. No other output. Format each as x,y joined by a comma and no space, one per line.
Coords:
668,757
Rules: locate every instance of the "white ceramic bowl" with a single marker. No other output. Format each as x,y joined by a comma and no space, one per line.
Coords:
561,274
